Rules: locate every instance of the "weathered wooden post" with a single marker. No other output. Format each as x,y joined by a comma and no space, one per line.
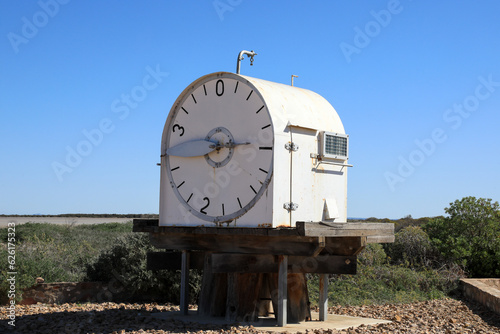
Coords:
254,191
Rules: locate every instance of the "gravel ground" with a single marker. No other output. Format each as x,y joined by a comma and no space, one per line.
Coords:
438,316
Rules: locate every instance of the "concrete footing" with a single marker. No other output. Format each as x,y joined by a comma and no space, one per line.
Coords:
270,324
485,291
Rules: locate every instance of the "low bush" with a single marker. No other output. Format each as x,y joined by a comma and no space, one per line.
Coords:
412,247
386,283
469,236
123,267
372,255
57,253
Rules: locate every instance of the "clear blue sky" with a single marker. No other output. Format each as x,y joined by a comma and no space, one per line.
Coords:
416,84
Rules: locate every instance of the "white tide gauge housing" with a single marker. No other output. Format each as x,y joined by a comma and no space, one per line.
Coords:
245,152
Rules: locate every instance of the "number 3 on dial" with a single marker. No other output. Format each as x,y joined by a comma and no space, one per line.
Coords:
179,129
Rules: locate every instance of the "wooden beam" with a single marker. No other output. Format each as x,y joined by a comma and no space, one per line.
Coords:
380,239
344,245
340,229
303,246
184,307
309,239
323,297
144,225
282,290
377,232
267,263
152,226
173,260
250,244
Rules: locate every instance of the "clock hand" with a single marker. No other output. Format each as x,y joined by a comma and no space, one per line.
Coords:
194,148
228,145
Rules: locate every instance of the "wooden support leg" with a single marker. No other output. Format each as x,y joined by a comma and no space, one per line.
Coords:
184,282
212,299
282,290
323,297
243,290
232,297
298,299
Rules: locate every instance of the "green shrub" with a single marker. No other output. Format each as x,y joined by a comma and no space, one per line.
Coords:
411,246
372,255
386,284
470,236
108,227
123,267
37,256
57,253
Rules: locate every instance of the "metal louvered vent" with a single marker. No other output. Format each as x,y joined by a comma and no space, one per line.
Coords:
334,145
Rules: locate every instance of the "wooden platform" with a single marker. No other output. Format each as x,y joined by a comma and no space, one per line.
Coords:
243,266
306,239
375,232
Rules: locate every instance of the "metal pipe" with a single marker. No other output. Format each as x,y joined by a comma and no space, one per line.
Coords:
250,54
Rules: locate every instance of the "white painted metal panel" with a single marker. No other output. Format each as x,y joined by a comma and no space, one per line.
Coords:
297,115
297,106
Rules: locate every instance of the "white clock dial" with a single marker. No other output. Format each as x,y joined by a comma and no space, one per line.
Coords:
219,148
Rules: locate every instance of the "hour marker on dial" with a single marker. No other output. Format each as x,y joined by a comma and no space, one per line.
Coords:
253,190
249,95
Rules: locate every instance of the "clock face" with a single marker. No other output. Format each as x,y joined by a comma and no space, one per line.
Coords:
219,148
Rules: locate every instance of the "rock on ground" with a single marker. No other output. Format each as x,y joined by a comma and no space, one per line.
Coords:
436,316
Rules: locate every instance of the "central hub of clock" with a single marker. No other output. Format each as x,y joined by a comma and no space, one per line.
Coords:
224,147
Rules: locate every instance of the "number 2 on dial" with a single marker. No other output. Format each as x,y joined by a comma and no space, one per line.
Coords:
202,210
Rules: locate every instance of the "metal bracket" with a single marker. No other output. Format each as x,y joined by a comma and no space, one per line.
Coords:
333,163
320,246
290,206
320,160
291,146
